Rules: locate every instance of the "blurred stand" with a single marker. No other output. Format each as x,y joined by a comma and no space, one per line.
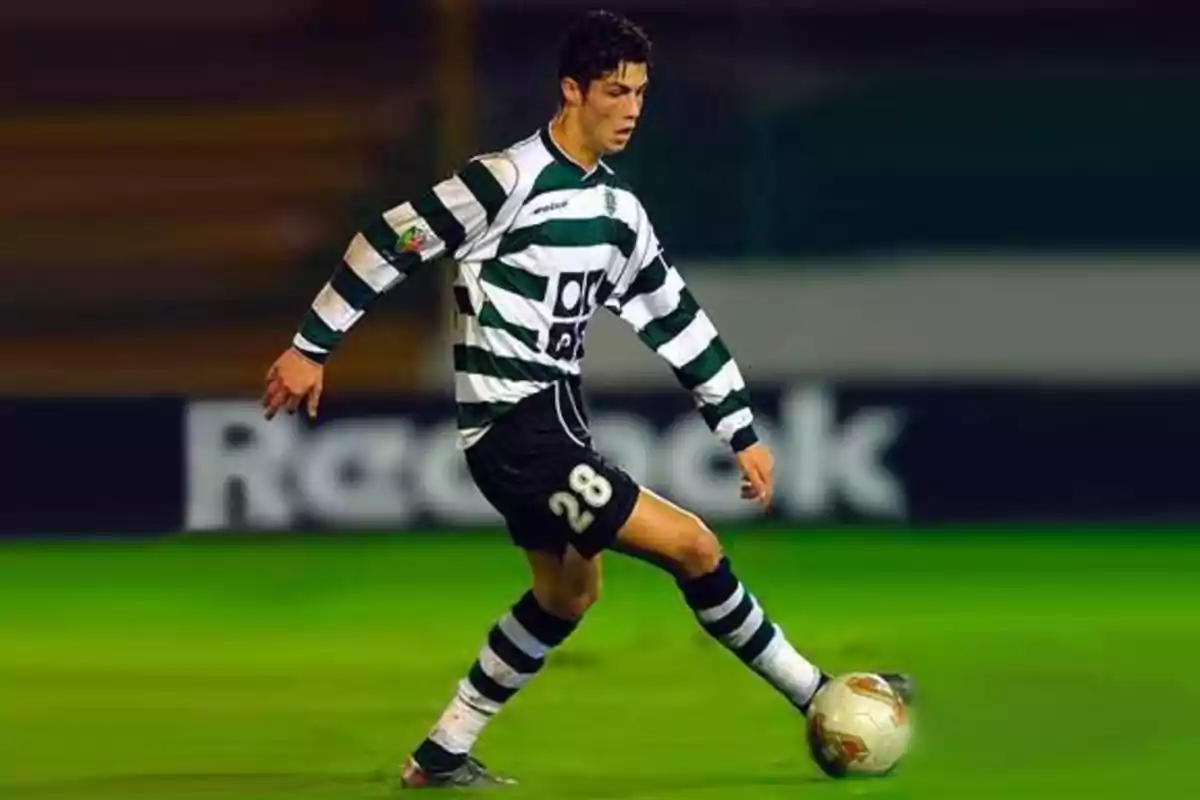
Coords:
935,234
181,178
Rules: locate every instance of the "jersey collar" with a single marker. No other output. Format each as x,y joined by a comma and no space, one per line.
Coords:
563,158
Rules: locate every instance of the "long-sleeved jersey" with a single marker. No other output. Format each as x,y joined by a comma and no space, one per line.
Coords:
541,243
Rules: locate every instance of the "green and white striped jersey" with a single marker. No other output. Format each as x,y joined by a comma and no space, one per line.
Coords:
541,243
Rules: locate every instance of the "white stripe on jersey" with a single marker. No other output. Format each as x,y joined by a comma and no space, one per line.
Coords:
690,342
501,343
472,388
455,195
550,261
403,217
369,265
642,310
334,310
733,423
718,387
304,344
517,310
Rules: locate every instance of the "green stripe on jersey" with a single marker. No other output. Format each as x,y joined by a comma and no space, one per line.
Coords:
490,317
477,361
487,190
477,415
383,237
571,233
313,328
713,414
649,280
556,177
664,329
704,367
514,279
743,438
353,289
444,224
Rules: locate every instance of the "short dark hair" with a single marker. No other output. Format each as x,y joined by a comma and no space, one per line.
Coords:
597,44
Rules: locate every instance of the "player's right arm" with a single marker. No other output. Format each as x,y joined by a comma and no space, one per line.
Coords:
444,220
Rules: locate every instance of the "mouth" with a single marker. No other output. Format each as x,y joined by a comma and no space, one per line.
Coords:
625,131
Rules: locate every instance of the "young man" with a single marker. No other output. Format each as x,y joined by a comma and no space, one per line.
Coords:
544,234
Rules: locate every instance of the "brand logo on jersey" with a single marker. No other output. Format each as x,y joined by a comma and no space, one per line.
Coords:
550,207
610,201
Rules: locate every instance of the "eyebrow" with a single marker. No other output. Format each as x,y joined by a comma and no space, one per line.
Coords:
621,85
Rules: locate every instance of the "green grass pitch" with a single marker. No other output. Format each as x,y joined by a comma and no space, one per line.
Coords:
1052,664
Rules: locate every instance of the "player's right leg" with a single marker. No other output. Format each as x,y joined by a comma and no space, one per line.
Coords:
565,585
662,533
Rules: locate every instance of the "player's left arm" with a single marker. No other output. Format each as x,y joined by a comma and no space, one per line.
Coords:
656,302
668,319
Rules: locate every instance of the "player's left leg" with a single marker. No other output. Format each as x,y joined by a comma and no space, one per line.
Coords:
565,585
678,541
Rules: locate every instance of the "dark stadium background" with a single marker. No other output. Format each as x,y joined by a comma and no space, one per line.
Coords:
954,246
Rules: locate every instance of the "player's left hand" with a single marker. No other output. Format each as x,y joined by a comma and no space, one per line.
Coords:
758,473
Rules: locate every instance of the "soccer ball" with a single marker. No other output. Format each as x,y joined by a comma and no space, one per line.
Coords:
857,725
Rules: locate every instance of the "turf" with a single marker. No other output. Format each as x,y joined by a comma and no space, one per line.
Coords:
1053,664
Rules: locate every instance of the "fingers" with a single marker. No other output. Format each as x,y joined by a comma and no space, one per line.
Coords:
277,397
761,491
758,481
293,402
314,399
768,481
274,401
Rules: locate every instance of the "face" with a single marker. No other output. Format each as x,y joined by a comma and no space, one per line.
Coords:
611,108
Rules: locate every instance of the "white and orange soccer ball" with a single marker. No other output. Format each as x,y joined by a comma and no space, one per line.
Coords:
858,726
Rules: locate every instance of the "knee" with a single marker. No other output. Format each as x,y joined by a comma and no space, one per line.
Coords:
578,603
699,550
569,602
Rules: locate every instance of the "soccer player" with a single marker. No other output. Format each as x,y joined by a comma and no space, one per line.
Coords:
545,233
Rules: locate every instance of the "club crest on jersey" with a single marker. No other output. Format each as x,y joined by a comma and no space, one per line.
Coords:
610,201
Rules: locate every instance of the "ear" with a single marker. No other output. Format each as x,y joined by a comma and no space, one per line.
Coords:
571,92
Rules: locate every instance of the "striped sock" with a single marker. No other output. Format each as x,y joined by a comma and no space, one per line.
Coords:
515,651
732,616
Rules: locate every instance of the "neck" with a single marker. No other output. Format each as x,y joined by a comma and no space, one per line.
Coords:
568,135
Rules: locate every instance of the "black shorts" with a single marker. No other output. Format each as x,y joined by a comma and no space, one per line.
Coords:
537,467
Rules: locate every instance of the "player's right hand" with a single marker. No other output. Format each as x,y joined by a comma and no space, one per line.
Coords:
290,380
